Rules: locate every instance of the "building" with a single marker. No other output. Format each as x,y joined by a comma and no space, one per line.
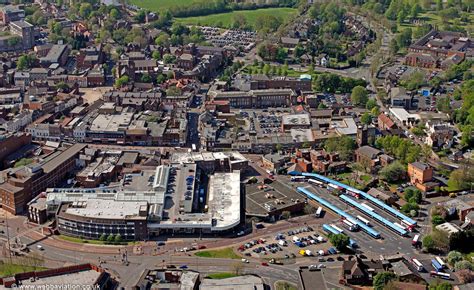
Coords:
385,123
458,207
360,272
400,98
449,228
168,279
245,282
25,30
11,143
94,218
382,195
371,157
85,276
255,98
439,135
11,13
439,50
58,54
22,184
273,162
403,117
419,174
295,121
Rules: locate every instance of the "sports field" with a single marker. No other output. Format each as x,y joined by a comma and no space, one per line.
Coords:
160,5
226,19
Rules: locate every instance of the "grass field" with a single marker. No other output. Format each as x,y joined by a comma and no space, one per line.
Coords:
222,275
284,285
226,19
12,269
226,253
160,5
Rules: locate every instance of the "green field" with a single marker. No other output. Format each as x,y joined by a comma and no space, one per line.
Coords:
222,275
226,253
12,269
226,19
93,242
160,5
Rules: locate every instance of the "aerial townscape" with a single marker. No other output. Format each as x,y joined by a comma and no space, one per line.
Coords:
237,144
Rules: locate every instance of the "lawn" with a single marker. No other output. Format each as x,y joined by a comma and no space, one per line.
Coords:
85,241
283,285
226,253
222,275
12,269
226,19
160,5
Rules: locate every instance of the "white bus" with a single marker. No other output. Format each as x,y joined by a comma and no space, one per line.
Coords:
408,226
419,266
416,240
315,182
365,221
367,207
319,211
336,228
298,178
440,261
399,226
440,275
350,225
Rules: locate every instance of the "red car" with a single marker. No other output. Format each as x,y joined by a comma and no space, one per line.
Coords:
264,264
202,247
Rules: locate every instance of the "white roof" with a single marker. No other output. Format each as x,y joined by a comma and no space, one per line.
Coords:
224,199
108,209
402,115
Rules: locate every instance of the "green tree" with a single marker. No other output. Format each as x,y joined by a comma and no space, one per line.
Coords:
156,55
340,241
413,195
437,220
371,103
25,61
359,96
122,81
110,238
382,278
428,243
366,118
85,10
103,237
286,215
168,58
463,265
393,172
453,257
118,239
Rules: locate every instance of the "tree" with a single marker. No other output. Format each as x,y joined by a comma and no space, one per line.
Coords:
415,80
340,241
428,243
465,276
103,238
453,257
371,103
462,241
278,147
110,238
122,81
85,10
168,58
413,195
25,61
463,265
382,278
461,178
366,118
308,209
437,220
439,210
393,172
118,239
286,215
359,96
146,78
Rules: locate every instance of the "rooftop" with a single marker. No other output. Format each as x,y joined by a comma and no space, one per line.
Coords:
111,123
224,199
247,282
107,209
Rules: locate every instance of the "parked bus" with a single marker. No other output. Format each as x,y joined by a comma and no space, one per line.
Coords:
365,221
419,266
367,207
409,226
441,262
319,211
415,241
315,182
332,186
352,193
436,265
352,227
399,226
298,178
336,228
441,275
